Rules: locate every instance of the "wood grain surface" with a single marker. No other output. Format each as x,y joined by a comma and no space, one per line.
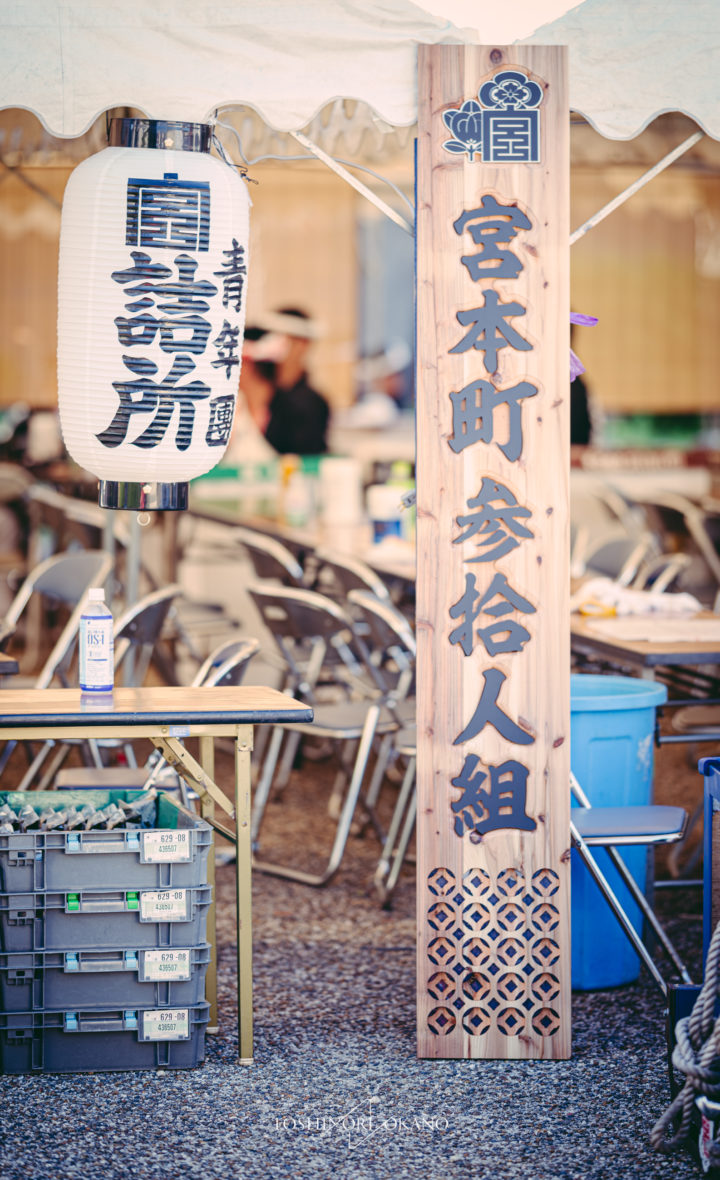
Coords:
493,905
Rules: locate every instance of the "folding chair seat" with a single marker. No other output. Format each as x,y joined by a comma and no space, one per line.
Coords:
614,827
352,724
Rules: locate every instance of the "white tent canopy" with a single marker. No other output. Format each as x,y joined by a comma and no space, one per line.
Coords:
69,61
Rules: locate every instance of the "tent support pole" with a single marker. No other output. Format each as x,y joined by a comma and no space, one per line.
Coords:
624,196
352,180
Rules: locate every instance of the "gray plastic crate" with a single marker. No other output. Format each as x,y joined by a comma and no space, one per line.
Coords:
77,1041
171,853
102,919
90,978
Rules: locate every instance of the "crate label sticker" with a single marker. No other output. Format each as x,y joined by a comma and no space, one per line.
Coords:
179,731
159,847
166,964
166,1024
164,905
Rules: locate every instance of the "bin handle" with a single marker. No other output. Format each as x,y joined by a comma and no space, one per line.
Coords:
95,903
105,1024
110,961
102,842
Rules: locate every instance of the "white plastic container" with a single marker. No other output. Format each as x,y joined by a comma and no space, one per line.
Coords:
341,500
96,645
384,506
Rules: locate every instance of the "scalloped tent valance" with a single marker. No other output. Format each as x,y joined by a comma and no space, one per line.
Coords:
68,61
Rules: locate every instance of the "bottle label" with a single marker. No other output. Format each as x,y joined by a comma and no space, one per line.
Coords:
96,654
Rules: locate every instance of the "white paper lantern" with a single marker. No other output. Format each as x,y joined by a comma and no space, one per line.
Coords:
151,307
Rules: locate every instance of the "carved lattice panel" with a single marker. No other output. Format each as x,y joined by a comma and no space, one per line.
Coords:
492,967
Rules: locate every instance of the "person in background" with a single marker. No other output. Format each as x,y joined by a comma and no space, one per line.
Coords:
255,392
298,414
385,381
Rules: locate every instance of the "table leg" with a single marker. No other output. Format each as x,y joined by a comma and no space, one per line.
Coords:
207,811
243,751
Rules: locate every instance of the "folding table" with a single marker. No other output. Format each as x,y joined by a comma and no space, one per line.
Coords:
166,717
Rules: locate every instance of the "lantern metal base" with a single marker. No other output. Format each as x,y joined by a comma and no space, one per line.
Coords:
137,497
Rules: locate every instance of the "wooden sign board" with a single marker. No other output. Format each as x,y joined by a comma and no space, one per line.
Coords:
493,570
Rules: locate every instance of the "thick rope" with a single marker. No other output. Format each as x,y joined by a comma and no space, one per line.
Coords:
697,1055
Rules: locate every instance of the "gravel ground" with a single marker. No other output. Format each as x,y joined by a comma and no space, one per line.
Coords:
336,1088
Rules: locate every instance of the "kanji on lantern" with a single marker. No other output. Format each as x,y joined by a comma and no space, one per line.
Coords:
226,344
168,213
161,397
233,273
222,410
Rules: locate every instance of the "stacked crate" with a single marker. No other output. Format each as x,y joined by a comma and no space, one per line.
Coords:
102,940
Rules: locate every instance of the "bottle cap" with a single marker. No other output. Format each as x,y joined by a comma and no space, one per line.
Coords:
96,594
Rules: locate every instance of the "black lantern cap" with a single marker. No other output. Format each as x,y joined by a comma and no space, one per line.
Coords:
160,133
139,497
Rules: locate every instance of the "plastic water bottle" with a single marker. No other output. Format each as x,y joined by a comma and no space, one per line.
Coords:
96,645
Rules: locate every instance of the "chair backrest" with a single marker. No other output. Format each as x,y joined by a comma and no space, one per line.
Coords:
389,640
269,558
226,665
137,631
619,557
337,575
309,629
66,579
661,573
15,482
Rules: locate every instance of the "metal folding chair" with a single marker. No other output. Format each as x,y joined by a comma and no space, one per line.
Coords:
614,827
353,724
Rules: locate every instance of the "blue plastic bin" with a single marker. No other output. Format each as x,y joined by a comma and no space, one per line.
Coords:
612,724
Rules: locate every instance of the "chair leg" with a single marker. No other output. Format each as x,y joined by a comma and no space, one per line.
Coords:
392,856
37,763
648,912
372,794
346,816
638,896
48,777
262,791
